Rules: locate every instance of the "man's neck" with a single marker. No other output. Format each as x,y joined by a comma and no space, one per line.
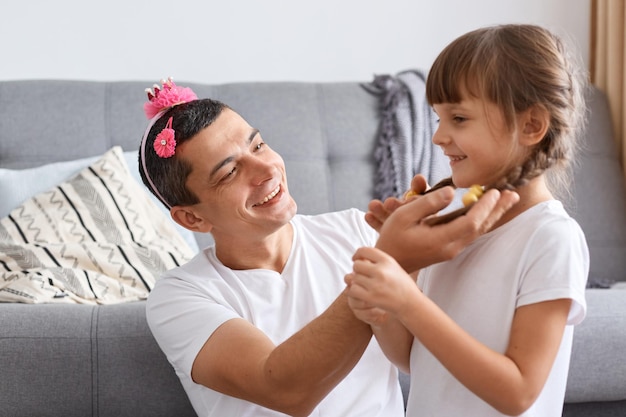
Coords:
271,252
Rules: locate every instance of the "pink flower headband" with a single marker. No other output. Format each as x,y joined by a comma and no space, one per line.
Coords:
159,101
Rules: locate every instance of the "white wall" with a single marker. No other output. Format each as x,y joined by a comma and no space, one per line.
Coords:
254,40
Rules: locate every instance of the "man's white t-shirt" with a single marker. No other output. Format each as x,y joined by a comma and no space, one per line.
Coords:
538,256
190,302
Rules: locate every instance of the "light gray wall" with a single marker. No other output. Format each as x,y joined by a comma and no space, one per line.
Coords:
254,40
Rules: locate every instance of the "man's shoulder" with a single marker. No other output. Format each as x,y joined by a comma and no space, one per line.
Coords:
337,225
198,267
332,217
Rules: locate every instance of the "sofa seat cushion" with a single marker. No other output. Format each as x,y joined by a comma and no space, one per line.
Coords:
597,367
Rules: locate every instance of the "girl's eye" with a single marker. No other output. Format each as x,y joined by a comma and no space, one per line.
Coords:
259,145
459,119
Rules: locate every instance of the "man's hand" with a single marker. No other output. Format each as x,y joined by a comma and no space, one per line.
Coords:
378,211
415,245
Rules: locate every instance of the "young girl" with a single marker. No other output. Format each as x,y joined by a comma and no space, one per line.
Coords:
489,333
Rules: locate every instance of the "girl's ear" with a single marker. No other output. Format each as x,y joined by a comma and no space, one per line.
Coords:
535,123
187,218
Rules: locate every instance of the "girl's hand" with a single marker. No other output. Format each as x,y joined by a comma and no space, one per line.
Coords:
371,315
378,283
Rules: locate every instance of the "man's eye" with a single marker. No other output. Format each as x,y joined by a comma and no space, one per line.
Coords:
259,145
231,172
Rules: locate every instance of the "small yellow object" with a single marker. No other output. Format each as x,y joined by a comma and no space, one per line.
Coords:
477,189
409,194
472,195
469,198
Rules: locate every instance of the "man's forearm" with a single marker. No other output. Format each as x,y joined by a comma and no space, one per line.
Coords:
315,359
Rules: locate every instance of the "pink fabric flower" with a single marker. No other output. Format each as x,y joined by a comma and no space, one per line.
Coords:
167,96
165,142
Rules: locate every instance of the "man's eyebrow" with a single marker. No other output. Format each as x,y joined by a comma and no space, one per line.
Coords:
254,132
217,167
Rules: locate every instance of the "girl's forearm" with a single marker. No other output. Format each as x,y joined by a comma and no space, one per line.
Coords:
395,341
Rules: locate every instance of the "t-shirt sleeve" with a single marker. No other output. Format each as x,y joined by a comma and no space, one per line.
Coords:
368,234
182,319
556,267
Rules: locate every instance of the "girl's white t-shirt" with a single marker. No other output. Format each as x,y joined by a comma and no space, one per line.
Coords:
538,256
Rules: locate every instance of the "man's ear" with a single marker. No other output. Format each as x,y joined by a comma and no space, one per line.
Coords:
187,218
535,123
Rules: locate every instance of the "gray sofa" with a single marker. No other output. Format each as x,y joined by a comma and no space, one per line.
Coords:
82,360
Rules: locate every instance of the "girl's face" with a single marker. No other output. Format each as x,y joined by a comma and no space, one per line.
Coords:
474,135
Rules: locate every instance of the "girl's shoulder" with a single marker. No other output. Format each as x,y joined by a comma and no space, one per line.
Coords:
544,214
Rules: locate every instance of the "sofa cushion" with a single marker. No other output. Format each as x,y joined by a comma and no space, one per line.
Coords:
95,238
597,367
18,185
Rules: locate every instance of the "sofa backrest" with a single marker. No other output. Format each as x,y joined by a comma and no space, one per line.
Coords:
598,200
326,133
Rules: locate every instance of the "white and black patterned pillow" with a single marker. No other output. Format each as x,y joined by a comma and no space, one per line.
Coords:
95,238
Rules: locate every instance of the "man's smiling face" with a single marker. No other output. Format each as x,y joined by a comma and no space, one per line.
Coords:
240,181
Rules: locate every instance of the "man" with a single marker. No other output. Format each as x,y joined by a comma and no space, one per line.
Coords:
259,324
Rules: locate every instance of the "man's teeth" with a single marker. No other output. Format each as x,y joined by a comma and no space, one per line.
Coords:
269,197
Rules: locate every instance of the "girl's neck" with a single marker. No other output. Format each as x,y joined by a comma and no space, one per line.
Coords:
534,192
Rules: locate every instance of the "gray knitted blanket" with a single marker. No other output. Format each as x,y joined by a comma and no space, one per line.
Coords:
407,123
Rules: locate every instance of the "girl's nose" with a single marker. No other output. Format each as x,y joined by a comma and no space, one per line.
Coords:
439,137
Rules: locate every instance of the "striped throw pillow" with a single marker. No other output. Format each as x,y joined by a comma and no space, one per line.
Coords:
96,238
